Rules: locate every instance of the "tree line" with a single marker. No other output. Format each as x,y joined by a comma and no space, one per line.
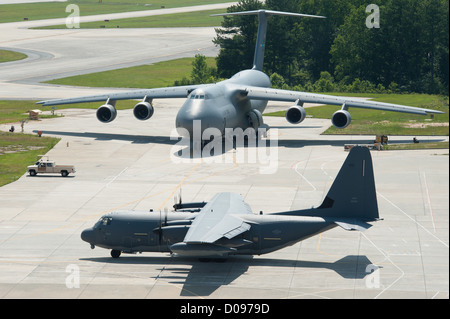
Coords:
407,52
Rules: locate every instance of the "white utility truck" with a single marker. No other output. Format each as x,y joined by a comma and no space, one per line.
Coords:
46,166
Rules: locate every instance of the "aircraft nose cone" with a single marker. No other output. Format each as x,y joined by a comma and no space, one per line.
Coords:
88,235
193,120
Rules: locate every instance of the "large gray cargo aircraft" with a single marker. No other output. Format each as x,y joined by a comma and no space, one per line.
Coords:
226,225
234,103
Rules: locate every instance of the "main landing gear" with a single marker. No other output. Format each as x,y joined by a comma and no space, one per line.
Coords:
115,253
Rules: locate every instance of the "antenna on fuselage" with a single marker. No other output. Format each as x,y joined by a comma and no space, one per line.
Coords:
263,15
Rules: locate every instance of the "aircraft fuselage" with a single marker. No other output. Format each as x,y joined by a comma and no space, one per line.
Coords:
135,231
222,105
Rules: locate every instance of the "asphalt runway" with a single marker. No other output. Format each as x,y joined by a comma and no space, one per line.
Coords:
129,164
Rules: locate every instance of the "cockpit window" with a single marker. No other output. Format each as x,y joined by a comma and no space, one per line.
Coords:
104,221
107,221
198,97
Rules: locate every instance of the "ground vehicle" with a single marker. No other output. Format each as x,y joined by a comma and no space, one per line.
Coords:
45,166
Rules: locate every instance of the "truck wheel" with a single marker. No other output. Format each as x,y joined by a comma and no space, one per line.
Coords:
115,253
64,173
32,172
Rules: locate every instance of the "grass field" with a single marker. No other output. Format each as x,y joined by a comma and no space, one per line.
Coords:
8,56
50,10
17,151
160,74
14,111
188,19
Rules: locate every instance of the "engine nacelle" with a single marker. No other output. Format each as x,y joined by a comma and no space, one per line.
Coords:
172,234
106,113
143,111
295,114
341,119
255,119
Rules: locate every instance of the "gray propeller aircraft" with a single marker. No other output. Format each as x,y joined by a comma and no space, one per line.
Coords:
226,225
238,102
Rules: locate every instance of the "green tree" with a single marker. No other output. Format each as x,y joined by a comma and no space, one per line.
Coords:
200,72
435,38
277,81
410,48
296,48
325,83
316,36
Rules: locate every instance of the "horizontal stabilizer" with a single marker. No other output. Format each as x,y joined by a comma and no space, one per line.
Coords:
352,224
268,13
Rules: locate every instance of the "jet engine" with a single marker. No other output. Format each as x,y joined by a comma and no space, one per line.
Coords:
255,119
341,119
295,114
106,113
143,111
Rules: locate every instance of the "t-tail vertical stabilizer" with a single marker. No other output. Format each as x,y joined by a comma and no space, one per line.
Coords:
351,201
263,16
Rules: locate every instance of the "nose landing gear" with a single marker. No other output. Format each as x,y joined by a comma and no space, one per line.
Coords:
115,253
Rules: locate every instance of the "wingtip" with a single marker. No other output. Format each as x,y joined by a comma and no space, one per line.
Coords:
435,112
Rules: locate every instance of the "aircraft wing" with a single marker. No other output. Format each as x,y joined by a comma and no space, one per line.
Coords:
159,93
219,218
258,93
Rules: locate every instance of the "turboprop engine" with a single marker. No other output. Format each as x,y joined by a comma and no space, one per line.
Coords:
106,113
341,119
143,110
295,114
